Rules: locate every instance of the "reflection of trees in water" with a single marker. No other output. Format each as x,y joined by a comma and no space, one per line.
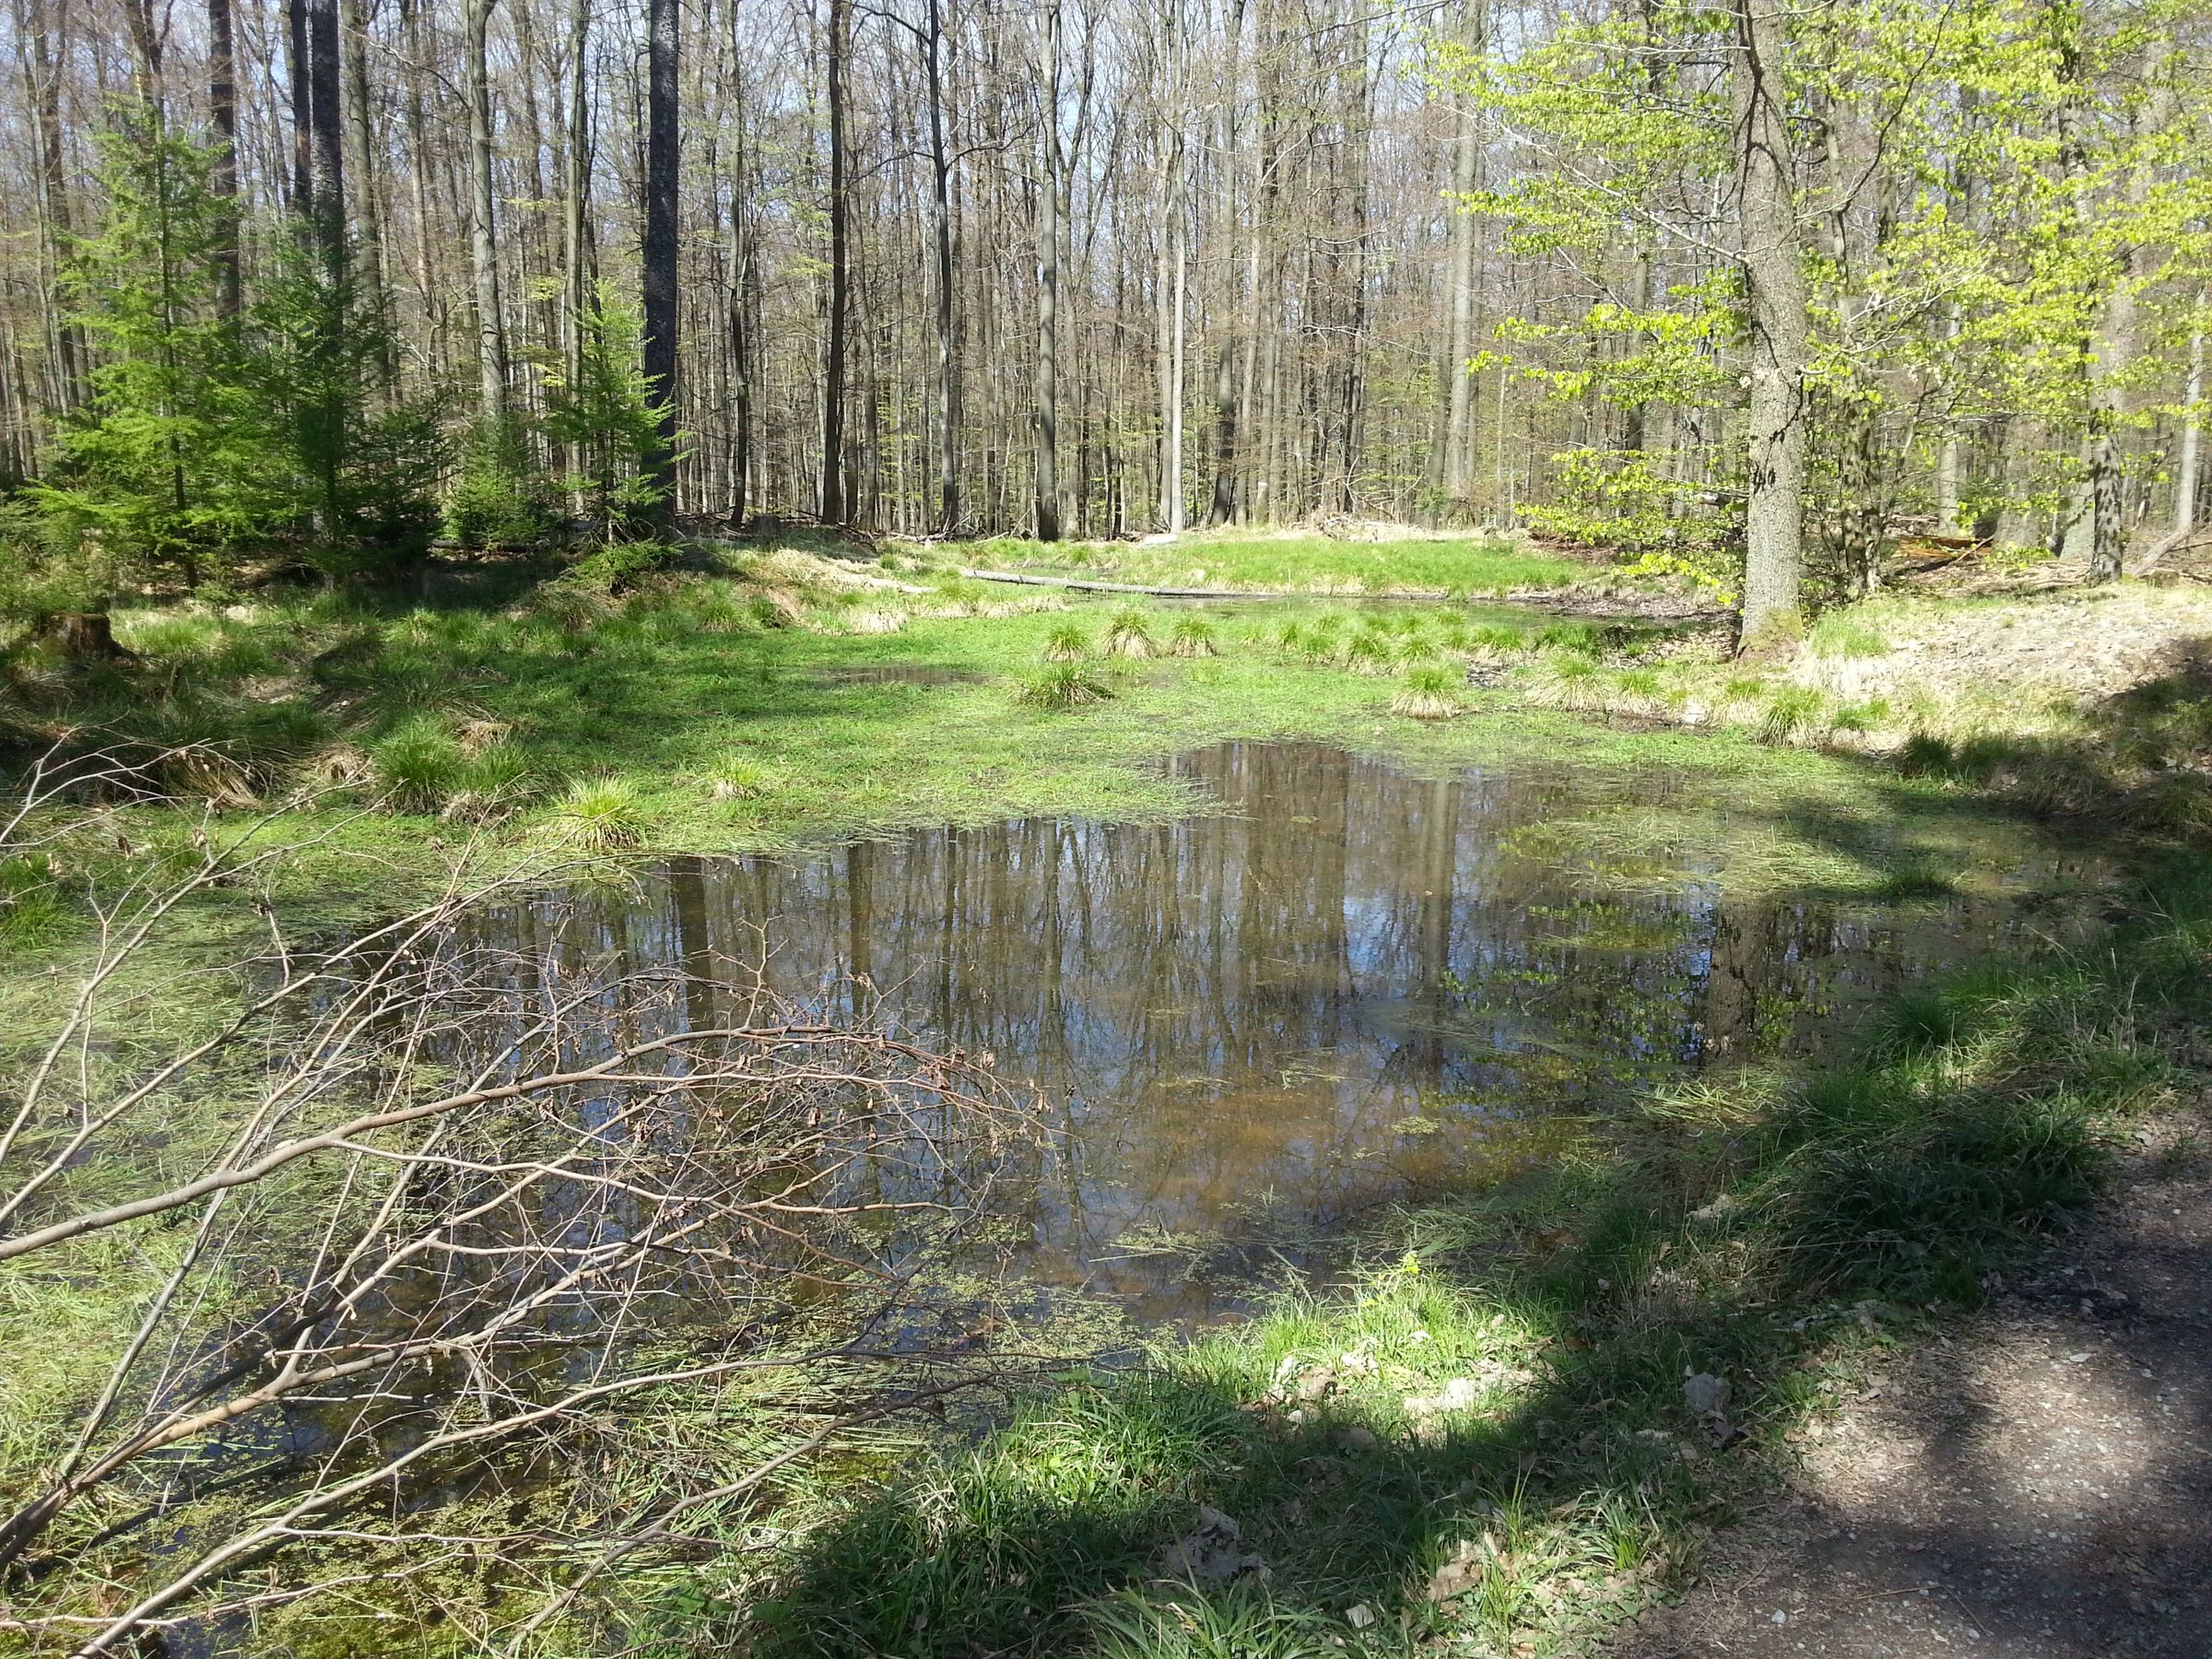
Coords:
1253,1000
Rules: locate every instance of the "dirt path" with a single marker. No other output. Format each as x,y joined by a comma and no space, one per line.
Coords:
2038,1486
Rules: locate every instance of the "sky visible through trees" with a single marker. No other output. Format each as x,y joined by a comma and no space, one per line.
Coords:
1698,284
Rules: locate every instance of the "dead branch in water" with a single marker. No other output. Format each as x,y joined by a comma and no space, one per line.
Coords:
455,1186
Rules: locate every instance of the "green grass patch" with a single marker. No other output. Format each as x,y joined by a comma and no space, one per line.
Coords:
1485,1437
1293,563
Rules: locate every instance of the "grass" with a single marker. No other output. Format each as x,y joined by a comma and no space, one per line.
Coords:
741,778
1494,1405
764,730
1194,637
1428,694
1129,634
1067,642
1840,634
1482,1440
1064,685
1254,561
598,816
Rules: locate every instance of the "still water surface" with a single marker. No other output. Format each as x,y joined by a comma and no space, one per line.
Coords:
1344,983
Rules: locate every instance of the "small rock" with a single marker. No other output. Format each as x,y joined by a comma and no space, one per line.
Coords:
1359,1616
1457,1394
1354,1438
1208,1553
1707,1395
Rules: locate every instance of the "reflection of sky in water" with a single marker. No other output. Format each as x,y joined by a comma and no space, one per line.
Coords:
1348,984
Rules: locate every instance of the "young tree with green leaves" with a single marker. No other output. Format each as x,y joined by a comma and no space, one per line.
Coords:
606,415
165,471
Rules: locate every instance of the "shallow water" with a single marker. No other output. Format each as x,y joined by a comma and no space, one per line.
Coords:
1344,985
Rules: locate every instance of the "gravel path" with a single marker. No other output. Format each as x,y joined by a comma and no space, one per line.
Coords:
2037,1487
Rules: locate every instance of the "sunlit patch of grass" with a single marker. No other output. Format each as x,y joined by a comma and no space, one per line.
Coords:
598,816
1279,561
1240,1622
1064,685
1840,634
875,620
1429,694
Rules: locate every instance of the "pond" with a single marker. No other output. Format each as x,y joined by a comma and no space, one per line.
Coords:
1339,983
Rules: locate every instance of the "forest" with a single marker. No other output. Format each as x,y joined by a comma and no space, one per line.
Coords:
1634,280
1158,829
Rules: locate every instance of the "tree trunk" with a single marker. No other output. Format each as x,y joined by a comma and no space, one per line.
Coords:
948,364
42,68
2185,471
1466,254
327,157
833,508
1774,280
222,114
360,145
658,251
1048,277
483,249
575,279
1223,507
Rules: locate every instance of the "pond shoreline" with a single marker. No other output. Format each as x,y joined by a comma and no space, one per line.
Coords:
1537,1314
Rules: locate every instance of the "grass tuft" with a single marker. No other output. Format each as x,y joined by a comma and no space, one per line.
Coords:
1064,685
1194,637
598,816
418,765
1129,634
1429,694
741,778
1368,653
1793,714
1066,644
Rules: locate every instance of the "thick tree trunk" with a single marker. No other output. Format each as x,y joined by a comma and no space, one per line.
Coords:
326,157
361,147
658,260
1048,277
948,344
1774,280
301,86
222,116
483,247
833,507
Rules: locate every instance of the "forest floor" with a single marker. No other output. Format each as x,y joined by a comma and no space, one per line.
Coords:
1819,1246
1349,559
2033,1483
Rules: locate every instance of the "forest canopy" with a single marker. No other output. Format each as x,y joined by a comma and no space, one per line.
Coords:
1736,292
